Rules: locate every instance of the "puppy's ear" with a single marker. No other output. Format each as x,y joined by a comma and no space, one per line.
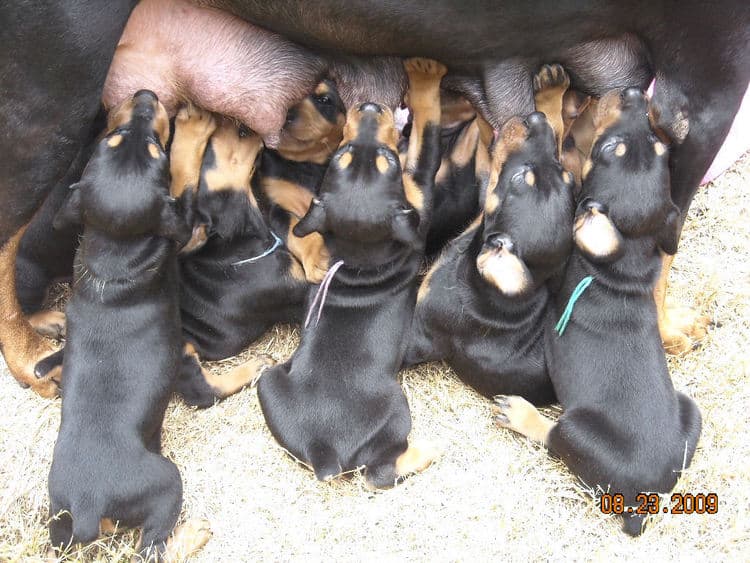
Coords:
70,212
172,223
405,227
669,236
597,237
313,221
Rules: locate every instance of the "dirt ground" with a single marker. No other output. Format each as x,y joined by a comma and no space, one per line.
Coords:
492,495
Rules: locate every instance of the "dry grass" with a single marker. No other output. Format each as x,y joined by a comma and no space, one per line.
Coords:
493,495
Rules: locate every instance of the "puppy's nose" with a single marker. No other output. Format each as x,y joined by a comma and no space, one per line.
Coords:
369,106
145,96
594,206
536,119
633,97
500,241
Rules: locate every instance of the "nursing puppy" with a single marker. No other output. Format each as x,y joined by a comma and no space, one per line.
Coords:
624,427
464,167
123,345
236,277
484,305
288,177
336,404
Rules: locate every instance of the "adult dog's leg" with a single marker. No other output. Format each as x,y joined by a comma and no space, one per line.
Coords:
695,105
53,62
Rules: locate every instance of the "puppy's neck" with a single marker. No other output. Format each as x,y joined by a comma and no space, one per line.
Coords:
634,273
109,259
367,256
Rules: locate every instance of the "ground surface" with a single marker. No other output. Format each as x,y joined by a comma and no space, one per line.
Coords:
493,495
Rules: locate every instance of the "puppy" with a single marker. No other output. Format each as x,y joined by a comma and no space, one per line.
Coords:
336,404
238,279
464,166
288,177
624,428
484,305
123,344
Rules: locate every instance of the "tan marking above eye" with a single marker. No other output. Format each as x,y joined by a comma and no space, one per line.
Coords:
382,164
154,150
322,88
530,178
659,148
620,149
114,141
345,160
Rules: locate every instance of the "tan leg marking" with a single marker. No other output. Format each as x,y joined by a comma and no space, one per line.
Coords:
311,251
48,323
679,327
187,539
22,347
550,85
237,379
424,100
417,457
289,196
107,526
517,414
193,128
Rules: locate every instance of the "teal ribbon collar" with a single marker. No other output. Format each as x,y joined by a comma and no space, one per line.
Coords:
577,292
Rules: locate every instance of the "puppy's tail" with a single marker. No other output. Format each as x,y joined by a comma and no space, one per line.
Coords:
325,461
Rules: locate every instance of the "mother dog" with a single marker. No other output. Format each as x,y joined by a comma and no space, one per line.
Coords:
54,58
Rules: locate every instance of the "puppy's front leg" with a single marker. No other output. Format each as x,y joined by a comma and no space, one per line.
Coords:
423,154
193,128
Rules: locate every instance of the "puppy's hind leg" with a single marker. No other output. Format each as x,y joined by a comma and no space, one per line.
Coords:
201,388
517,414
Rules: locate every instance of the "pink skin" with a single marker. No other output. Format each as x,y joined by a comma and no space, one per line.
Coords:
218,61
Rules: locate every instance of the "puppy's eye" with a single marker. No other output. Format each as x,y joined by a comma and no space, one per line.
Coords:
519,178
243,131
325,99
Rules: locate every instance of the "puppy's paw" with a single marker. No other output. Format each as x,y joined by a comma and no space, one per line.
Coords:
49,323
551,77
417,457
420,67
682,328
316,265
195,123
517,414
187,539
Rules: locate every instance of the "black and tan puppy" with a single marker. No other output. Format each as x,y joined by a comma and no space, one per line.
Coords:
289,176
123,344
484,305
624,427
464,167
241,280
336,404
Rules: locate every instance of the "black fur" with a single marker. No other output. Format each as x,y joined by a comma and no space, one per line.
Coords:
225,307
624,427
495,342
337,403
123,345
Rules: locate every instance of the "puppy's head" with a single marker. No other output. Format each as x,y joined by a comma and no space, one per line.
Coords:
625,192
124,190
362,198
314,127
528,210
225,206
